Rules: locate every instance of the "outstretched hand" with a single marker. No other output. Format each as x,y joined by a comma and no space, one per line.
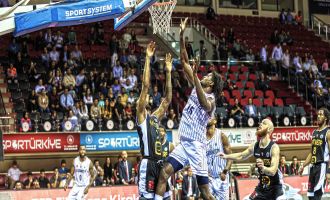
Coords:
194,67
183,25
151,49
168,61
221,155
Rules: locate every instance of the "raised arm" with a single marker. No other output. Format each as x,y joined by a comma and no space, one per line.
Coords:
239,156
159,113
207,103
142,101
270,171
183,53
92,177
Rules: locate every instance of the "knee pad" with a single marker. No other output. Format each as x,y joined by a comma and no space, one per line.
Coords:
202,180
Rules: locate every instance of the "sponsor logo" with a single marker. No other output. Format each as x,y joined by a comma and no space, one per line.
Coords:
70,139
89,139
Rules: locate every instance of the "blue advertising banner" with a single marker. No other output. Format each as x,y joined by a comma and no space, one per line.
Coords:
319,7
113,141
66,14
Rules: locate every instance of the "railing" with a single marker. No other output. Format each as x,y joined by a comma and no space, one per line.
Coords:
4,118
321,26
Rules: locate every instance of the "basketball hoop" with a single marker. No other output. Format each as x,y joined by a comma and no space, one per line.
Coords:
161,13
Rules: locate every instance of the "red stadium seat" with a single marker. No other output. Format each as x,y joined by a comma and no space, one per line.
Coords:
259,93
247,93
270,94
252,77
244,102
257,102
234,68
232,77
250,84
231,102
279,102
268,102
240,85
242,77
244,69
227,94
237,94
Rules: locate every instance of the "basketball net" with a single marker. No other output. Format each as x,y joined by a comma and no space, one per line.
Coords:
161,13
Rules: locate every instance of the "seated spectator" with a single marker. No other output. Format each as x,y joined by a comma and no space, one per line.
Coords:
95,110
54,55
43,102
119,109
80,78
13,175
99,173
116,88
314,68
66,100
298,18
132,77
33,101
125,170
284,168
132,97
72,36
26,119
117,179
230,35
18,185
28,183
58,40
55,180
128,112
83,111
108,112
77,55
40,87
250,109
237,112
11,72
210,14
294,167
262,83
88,98
325,65
250,56
107,168
274,39
222,101
48,38
189,186
54,100
43,181
65,54
63,171
69,79
172,116
288,39
117,70
74,121
36,184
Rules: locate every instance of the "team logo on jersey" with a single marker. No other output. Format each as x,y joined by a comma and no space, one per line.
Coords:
321,136
165,149
89,139
267,154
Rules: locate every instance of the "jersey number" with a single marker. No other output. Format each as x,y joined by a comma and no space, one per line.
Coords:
190,109
80,177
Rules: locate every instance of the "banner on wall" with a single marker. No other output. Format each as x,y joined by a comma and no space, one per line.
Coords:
294,187
293,135
41,142
319,6
242,137
104,193
113,141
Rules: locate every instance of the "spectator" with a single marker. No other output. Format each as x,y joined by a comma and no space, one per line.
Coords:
274,39
116,88
262,83
136,167
119,109
263,55
99,173
107,167
28,183
286,59
77,55
66,100
282,17
277,55
13,49
230,35
132,77
33,101
116,170
250,57
36,184
237,112
13,174
297,63
284,168
117,70
202,52
54,55
156,97
95,110
172,116
43,102
69,79
299,18
48,38
54,100
65,54
40,87
210,14
58,40
55,180
43,181
18,185
11,72
72,36
189,48
26,119
289,17
288,39
125,170
63,171
222,101
83,112
132,97
325,65
189,186
314,68
294,167
250,109
131,58
74,121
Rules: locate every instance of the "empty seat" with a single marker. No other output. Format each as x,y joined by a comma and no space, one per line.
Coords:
279,102
268,102
247,93
300,111
257,102
259,93
250,84
237,94
270,94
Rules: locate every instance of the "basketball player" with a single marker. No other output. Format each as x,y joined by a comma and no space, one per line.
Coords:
267,154
217,142
151,142
83,173
196,114
318,157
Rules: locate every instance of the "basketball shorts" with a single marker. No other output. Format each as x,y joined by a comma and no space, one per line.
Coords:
218,188
317,179
272,193
149,171
192,153
77,193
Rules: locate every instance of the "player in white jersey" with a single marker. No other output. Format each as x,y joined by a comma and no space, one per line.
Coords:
217,142
196,114
83,173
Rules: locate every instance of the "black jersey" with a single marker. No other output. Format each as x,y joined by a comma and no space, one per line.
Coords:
265,154
165,149
150,144
320,150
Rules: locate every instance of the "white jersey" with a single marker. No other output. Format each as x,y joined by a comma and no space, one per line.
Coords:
214,162
194,119
81,171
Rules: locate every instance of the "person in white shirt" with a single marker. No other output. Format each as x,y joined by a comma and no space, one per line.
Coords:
277,55
297,63
286,59
132,77
263,54
13,174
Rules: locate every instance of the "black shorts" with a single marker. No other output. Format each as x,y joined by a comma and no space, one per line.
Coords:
271,193
317,179
149,171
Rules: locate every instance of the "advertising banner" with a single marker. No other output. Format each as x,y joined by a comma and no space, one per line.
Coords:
242,137
104,193
293,135
319,6
113,141
40,143
66,14
294,187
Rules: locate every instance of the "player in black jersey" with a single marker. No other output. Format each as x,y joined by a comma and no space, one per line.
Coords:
318,157
267,154
151,145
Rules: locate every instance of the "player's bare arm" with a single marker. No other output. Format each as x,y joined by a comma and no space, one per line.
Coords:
306,163
160,112
270,171
171,147
93,176
142,101
207,103
70,176
328,140
184,55
227,150
239,156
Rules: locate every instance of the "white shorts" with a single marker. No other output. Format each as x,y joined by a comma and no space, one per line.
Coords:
77,193
192,153
218,188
